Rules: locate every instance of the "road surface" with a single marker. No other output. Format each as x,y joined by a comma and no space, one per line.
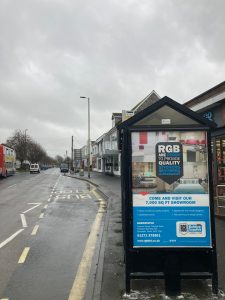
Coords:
46,223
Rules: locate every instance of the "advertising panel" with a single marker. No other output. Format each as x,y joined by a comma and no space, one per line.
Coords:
170,189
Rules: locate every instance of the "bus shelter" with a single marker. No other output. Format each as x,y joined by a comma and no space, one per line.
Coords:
167,196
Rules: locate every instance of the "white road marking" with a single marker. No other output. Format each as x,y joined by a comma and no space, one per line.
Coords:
41,216
37,204
46,206
24,255
85,196
80,283
34,232
10,238
11,186
23,219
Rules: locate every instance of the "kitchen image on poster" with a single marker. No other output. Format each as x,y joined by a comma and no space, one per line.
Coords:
170,189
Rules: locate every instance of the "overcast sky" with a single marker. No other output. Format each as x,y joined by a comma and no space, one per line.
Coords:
113,51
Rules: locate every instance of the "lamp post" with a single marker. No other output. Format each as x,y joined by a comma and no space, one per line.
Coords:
25,148
89,141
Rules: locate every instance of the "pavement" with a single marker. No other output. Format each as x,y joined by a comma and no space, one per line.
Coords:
107,280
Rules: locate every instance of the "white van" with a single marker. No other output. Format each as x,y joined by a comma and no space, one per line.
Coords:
34,168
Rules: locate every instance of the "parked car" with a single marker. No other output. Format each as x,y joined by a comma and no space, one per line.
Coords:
34,168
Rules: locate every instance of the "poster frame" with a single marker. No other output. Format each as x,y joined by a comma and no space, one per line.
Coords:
210,183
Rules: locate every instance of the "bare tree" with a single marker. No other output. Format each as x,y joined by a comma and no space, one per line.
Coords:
35,152
47,160
59,159
19,141
28,149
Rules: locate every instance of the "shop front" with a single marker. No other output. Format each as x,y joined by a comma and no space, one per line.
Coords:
218,142
211,105
216,113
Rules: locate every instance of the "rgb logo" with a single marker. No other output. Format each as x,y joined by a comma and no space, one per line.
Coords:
169,161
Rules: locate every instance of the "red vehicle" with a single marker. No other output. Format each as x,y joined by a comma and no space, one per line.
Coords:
7,161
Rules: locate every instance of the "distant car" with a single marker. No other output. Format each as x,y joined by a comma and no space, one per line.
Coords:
34,168
64,168
44,167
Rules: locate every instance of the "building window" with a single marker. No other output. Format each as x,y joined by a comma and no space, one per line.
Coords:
93,162
116,164
99,164
108,165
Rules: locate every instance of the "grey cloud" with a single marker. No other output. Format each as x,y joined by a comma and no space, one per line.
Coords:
115,52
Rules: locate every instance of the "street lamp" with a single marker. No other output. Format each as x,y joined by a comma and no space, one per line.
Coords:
89,141
26,148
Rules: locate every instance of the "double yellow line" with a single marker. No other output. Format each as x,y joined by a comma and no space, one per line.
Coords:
80,283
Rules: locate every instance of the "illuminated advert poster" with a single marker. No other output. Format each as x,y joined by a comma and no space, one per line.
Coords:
170,189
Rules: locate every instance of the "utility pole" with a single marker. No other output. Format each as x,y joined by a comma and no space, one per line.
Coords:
72,154
89,139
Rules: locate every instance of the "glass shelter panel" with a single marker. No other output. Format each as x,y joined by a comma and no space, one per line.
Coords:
166,116
220,161
170,189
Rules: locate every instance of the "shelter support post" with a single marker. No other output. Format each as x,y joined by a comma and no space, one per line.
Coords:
127,274
172,275
215,275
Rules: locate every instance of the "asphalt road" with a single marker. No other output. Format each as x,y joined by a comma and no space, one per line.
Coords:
45,222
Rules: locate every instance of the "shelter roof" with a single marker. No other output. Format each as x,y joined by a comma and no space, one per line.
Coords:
166,101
